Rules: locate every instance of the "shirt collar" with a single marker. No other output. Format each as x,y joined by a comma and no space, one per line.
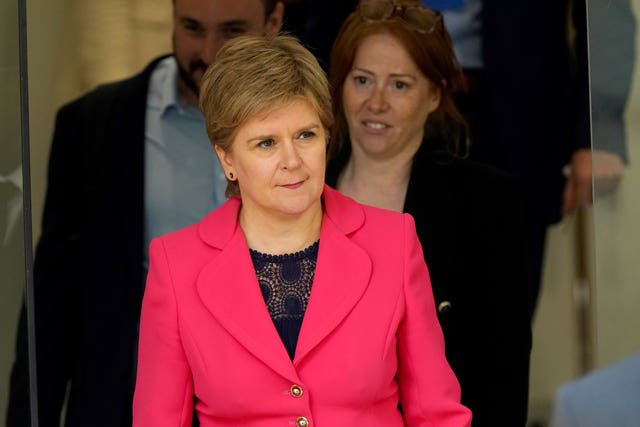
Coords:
163,90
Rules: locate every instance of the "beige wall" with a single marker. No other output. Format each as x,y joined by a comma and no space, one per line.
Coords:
11,233
75,45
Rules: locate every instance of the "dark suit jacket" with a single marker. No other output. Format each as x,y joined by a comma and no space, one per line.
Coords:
88,273
531,98
469,220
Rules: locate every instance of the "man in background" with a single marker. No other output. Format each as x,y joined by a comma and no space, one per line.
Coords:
129,161
526,66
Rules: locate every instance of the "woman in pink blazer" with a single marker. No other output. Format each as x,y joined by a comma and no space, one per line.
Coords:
291,304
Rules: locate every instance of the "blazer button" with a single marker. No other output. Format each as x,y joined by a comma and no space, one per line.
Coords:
444,306
302,422
296,391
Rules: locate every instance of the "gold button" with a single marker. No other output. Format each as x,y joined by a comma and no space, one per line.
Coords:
296,391
444,306
302,422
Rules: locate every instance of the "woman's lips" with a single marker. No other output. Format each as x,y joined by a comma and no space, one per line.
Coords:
374,125
293,186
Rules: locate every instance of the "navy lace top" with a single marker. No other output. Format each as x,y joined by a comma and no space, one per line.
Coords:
285,282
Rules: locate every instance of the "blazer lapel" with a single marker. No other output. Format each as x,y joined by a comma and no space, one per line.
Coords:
229,289
342,273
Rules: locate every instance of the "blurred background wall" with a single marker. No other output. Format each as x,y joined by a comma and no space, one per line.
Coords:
11,221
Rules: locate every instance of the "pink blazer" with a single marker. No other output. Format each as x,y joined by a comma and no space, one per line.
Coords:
369,339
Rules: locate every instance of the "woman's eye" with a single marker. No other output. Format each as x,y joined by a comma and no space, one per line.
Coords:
400,85
361,80
306,134
266,143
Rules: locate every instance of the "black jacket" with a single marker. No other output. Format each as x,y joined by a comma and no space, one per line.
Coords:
88,272
469,218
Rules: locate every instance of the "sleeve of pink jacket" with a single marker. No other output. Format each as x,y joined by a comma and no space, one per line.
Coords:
429,390
164,386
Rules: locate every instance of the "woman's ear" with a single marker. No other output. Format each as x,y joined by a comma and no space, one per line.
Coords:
436,96
224,158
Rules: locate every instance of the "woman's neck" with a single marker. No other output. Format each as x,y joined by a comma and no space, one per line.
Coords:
380,182
280,234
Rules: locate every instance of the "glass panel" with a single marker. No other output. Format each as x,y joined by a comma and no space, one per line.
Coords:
608,315
75,45
615,104
14,239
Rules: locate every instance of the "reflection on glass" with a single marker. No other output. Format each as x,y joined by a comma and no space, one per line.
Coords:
609,395
612,26
12,274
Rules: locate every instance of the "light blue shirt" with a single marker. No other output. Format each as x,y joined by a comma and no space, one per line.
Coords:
606,398
465,26
183,178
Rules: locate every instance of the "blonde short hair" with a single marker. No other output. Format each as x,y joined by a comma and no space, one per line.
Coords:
252,75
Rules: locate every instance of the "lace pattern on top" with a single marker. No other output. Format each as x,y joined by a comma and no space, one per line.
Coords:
285,282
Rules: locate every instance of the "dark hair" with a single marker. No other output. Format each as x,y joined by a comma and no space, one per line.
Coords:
432,51
269,5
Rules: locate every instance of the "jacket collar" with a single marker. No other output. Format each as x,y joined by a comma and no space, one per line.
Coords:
229,280
217,228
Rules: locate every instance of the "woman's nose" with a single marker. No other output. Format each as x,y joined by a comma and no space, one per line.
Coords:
290,155
378,100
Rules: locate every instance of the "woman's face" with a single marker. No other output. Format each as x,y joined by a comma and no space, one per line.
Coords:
386,98
278,159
